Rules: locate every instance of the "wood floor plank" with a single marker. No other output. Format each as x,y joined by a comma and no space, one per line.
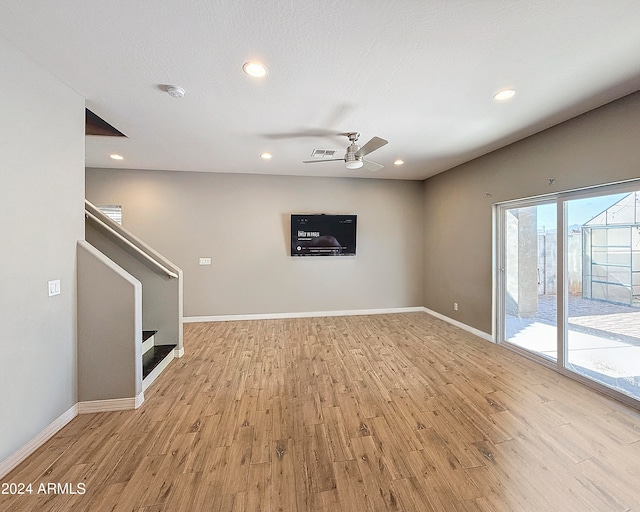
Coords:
106,497
355,421
413,495
496,495
328,501
352,492
317,458
337,436
607,487
375,474
477,505
259,492
262,437
447,465
283,477
387,443
384,413
236,479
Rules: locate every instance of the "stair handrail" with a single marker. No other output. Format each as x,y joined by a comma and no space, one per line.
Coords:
88,214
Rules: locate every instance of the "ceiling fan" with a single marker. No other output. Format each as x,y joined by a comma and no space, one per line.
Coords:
354,157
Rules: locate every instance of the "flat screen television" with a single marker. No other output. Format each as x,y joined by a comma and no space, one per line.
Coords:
323,235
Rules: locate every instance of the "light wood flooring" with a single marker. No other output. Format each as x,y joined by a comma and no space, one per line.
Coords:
346,414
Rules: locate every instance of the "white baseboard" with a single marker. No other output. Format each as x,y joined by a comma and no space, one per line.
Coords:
120,404
307,314
465,327
116,404
351,312
10,463
178,352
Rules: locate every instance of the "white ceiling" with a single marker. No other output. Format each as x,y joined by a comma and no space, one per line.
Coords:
419,73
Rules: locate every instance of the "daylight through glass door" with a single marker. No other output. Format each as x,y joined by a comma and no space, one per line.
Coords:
569,284
603,309
530,278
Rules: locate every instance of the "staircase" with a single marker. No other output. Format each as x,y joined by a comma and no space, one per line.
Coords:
155,358
124,288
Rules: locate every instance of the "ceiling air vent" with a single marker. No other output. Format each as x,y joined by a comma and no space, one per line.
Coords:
323,153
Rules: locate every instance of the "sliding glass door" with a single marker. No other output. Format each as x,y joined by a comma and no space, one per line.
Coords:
568,281
603,303
530,276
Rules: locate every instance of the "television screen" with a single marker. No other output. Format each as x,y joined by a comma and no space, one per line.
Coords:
323,235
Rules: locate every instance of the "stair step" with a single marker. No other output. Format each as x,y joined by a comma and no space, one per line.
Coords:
147,334
147,340
153,357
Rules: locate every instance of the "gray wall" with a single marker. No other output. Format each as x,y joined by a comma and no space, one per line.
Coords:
242,223
599,147
160,294
42,193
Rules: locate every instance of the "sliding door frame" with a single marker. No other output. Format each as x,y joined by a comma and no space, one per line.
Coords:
500,277
499,280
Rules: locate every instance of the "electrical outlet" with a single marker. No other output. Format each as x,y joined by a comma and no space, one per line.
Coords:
204,261
455,306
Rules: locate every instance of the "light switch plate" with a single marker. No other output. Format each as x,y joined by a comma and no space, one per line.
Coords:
54,287
205,261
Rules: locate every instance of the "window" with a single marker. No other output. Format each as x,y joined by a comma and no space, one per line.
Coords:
113,212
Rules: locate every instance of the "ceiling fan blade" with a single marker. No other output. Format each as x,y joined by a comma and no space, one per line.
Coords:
371,166
323,160
372,145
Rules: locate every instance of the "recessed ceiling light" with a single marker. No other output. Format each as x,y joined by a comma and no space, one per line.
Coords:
504,94
398,162
116,157
254,69
266,156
